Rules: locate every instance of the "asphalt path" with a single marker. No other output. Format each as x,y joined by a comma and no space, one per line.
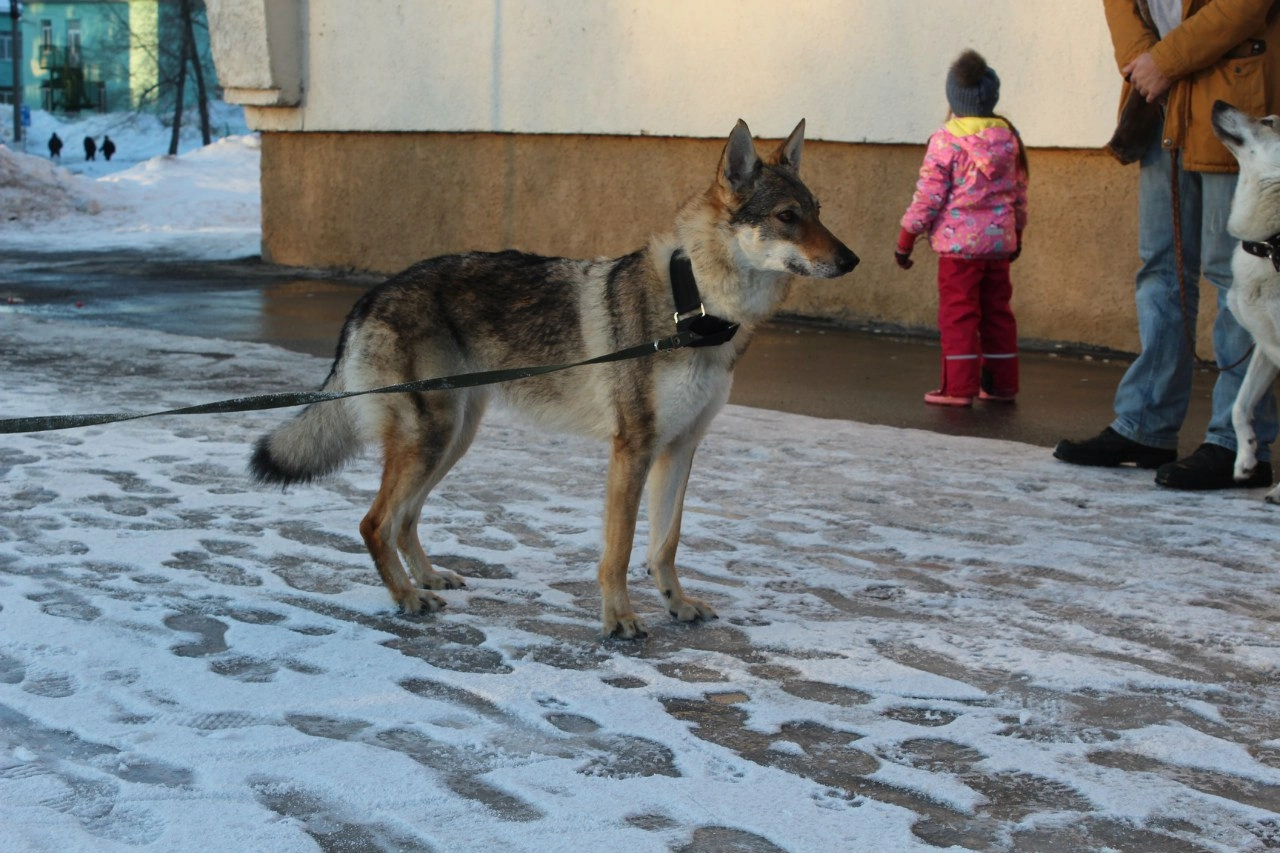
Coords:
869,375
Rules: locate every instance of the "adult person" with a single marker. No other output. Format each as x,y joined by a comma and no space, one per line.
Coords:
1184,55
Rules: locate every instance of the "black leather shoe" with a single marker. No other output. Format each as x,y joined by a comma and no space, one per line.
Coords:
1210,467
1110,449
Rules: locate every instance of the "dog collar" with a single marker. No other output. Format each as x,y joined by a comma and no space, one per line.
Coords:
1269,249
690,316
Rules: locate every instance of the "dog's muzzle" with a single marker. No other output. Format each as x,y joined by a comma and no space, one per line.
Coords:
846,260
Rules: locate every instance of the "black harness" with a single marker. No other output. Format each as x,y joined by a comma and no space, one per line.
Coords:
690,316
1269,249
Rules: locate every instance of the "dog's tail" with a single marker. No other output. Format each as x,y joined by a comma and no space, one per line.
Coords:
316,442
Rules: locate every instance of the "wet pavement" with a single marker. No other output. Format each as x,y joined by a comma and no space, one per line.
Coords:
867,375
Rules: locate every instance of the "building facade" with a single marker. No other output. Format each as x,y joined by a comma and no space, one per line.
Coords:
393,130
98,55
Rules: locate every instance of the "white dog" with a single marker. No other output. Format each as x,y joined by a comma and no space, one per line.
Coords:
1254,297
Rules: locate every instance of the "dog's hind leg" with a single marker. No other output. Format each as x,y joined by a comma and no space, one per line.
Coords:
410,546
628,467
1257,379
403,470
667,484
420,443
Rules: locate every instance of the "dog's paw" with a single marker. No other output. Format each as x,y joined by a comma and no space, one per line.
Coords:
421,601
625,627
691,610
1273,496
1246,461
440,579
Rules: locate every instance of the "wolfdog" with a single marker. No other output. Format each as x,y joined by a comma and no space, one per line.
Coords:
1254,297
745,236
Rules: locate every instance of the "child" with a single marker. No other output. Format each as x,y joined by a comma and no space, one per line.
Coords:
972,200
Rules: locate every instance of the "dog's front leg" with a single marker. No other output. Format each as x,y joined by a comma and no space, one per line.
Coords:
1257,379
628,467
667,484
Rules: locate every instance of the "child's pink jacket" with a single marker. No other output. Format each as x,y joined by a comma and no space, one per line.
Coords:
971,197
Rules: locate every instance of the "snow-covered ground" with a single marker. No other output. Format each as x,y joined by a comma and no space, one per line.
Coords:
925,641
922,640
204,203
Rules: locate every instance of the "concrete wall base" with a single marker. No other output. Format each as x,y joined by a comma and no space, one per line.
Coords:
381,201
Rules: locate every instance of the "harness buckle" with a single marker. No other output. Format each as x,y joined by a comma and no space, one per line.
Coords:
696,312
1268,249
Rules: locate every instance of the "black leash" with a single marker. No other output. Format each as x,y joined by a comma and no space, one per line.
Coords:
694,328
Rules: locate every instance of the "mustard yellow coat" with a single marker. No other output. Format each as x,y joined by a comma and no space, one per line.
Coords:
1224,50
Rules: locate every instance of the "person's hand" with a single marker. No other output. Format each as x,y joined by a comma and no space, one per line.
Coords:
1147,78
902,252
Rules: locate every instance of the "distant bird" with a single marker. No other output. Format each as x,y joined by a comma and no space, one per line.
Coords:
90,148
55,146
108,147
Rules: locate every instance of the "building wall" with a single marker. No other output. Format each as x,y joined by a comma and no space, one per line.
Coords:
576,127
380,201
859,70
104,36
144,35
6,61
125,44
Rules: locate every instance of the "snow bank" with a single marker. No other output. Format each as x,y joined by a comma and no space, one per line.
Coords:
34,190
202,204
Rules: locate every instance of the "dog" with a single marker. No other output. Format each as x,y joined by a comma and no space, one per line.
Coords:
1254,297
754,228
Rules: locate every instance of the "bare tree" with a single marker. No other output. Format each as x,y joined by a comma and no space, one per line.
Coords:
174,51
15,14
202,98
189,54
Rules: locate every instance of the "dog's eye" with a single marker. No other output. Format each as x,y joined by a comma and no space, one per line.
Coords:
787,216
1269,121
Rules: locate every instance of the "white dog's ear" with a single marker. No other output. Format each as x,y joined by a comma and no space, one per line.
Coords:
789,152
739,163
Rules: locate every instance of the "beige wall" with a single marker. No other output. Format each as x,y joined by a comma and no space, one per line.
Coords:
576,127
380,201
858,70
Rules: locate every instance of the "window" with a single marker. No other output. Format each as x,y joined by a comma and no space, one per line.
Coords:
46,34
6,47
73,43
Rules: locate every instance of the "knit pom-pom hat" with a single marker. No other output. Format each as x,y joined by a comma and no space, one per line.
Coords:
972,86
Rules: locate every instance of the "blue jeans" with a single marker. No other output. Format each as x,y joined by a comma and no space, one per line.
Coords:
1151,401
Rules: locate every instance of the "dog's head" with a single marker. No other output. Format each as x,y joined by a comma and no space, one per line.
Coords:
1255,142
771,214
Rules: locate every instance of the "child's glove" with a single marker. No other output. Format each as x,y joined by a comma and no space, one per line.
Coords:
902,254
1018,251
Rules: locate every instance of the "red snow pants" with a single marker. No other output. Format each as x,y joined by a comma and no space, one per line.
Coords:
979,333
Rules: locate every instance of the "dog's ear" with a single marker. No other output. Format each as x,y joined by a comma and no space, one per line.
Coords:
739,164
788,153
